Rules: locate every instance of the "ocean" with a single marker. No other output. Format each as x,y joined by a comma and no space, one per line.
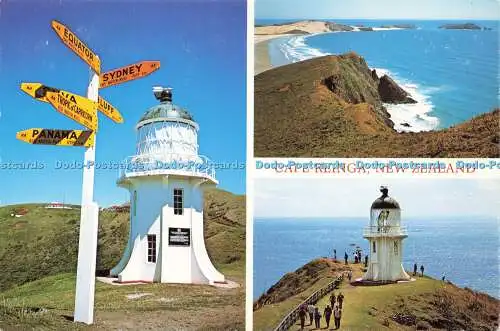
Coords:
464,250
453,74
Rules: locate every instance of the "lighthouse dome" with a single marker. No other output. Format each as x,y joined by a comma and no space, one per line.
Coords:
166,110
385,201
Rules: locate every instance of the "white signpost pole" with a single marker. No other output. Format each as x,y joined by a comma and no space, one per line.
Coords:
89,222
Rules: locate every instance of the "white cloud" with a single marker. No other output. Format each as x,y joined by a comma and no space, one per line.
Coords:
353,197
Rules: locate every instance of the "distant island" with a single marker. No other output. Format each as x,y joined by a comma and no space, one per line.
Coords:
461,26
399,26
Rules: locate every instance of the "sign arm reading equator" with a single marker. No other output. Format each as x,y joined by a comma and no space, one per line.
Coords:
76,45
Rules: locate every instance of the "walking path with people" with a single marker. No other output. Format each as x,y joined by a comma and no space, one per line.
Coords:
362,301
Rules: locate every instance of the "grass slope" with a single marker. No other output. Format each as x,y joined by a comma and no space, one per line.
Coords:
38,259
330,107
424,304
291,290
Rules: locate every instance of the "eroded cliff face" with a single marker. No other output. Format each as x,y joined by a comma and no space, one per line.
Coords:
333,106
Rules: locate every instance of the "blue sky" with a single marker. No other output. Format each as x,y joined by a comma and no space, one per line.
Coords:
394,9
202,49
463,198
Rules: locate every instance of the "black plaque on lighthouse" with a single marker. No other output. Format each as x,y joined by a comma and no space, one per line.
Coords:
179,236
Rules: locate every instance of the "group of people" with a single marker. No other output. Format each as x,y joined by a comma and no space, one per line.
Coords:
421,270
357,257
315,315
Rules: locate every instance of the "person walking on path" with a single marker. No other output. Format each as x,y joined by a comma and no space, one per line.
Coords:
332,299
345,257
340,299
337,315
366,261
328,314
422,270
415,269
349,275
302,316
310,310
335,254
317,318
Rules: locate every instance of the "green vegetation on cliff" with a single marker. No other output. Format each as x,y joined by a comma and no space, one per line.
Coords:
332,106
423,304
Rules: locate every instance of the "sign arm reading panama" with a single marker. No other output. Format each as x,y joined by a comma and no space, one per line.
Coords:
83,111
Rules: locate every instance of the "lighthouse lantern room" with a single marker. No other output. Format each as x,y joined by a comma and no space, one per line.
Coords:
166,179
385,235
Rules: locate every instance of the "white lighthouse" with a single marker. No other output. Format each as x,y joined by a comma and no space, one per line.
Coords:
385,235
166,179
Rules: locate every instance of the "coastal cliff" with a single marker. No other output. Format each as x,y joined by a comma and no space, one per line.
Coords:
423,304
333,106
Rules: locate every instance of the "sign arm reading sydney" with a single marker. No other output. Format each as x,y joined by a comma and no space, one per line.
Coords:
127,73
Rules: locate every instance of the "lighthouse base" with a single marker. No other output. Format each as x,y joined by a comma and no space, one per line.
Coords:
362,282
166,245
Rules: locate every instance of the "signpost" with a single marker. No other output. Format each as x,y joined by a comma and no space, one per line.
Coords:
57,137
84,111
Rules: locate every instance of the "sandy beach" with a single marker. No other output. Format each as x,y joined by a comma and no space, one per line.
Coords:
262,60
263,34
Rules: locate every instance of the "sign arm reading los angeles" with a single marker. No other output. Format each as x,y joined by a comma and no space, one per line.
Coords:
83,111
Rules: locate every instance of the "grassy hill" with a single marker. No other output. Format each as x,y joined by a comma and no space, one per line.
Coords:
424,304
331,106
38,253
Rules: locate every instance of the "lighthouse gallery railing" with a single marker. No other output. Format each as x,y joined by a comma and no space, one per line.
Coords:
385,230
151,164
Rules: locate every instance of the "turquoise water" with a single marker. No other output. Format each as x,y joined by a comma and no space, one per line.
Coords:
453,74
464,250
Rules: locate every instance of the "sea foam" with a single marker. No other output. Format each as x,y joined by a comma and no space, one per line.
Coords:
417,116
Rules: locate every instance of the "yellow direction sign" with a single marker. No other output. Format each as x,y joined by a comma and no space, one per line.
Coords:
83,113
77,46
39,92
107,109
57,137
130,72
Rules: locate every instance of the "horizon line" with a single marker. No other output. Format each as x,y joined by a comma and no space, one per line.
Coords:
375,18
303,218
